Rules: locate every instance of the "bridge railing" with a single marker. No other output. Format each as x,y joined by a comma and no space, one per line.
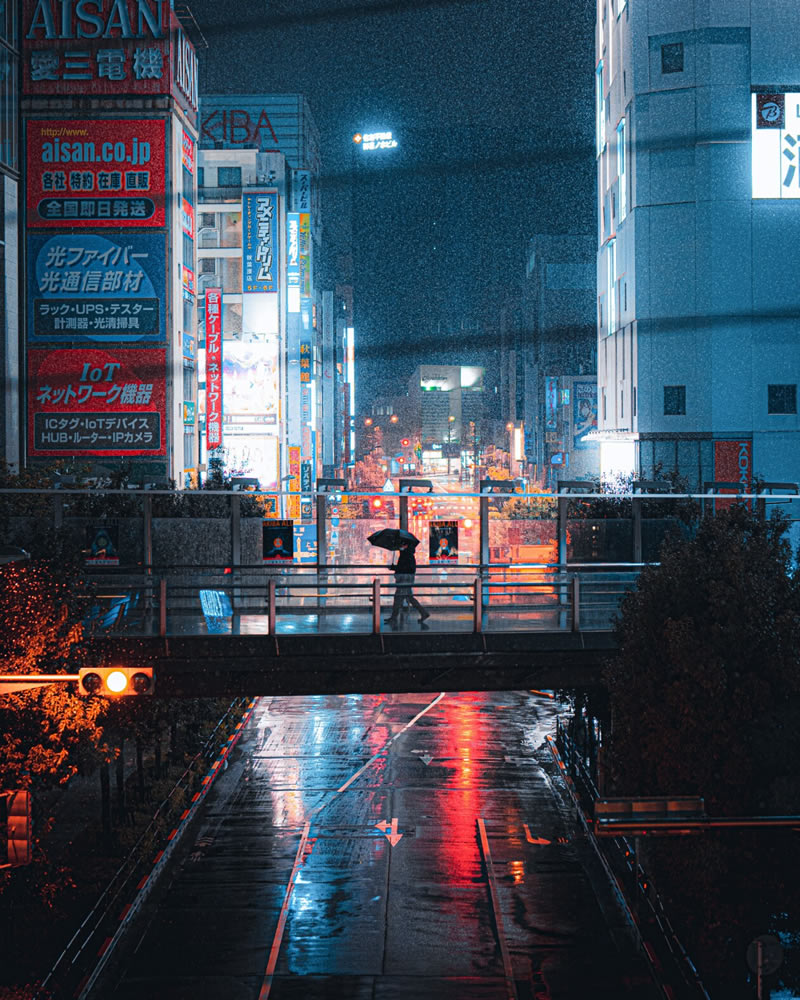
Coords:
268,600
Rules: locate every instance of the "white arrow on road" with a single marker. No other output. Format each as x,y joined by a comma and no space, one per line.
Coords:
426,759
389,830
534,840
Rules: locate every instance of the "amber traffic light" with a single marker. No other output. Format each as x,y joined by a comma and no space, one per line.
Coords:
116,681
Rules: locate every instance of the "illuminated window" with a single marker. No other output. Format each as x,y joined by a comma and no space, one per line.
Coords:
672,58
781,399
600,109
622,171
674,400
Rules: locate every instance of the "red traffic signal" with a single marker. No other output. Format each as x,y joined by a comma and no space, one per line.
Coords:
116,681
377,503
405,442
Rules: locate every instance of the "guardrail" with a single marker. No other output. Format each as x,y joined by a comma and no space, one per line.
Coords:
268,600
645,909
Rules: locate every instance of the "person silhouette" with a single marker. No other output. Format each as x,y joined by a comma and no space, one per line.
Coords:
404,571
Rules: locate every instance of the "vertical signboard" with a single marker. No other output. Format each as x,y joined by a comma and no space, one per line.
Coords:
94,402
443,542
96,172
260,260
293,261
551,403
294,483
305,254
213,368
775,126
584,415
733,463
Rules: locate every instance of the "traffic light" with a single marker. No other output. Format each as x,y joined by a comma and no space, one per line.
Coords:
16,807
114,681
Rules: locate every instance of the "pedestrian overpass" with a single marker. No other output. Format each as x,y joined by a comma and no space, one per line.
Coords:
529,600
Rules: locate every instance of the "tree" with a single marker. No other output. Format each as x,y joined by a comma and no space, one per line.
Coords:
705,700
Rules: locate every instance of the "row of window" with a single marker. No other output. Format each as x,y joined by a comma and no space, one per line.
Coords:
780,399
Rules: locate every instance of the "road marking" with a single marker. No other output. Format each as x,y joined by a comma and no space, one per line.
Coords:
511,986
266,986
426,759
534,840
389,830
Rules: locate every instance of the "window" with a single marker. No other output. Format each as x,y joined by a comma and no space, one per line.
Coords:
621,171
201,176
674,400
621,404
672,58
600,109
208,265
230,229
229,177
781,399
633,401
611,286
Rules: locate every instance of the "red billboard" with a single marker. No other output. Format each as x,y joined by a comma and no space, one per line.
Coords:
213,368
96,172
102,47
93,401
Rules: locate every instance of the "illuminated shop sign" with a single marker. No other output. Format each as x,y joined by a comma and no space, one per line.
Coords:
187,218
213,368
293,261
96,402
187,152
375,140
96,172
109,46
95,287
775,134
259,241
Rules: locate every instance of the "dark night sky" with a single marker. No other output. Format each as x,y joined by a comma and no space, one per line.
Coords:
492,104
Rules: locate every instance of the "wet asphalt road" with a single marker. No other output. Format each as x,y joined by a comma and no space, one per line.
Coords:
340,856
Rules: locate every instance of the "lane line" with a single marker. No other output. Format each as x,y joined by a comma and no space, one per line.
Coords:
266,985
511,986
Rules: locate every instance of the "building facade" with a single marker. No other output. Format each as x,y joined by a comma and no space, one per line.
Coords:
698,121
10,433
109,131
283,342
560,359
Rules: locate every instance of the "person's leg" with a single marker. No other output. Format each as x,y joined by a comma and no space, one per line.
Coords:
401,593
423,614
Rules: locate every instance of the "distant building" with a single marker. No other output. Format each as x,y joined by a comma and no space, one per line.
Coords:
283,404
447,409
698,115
560,361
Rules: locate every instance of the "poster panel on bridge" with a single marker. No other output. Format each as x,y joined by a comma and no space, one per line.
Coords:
93,402
101,172
277,541
102,544
97,287
443,542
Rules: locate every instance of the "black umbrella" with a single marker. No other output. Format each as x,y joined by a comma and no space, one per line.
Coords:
392,539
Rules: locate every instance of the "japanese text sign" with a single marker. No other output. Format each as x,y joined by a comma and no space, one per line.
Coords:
775,136
584,415
103,47
93,287
260,241
213,368
96,402
305,254
96,172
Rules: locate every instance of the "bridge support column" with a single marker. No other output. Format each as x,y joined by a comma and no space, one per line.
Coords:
404,512
376,606
575,594
483,507
636,510
477,605
272,625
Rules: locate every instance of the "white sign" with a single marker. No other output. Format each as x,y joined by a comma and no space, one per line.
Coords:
775,130
378,140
